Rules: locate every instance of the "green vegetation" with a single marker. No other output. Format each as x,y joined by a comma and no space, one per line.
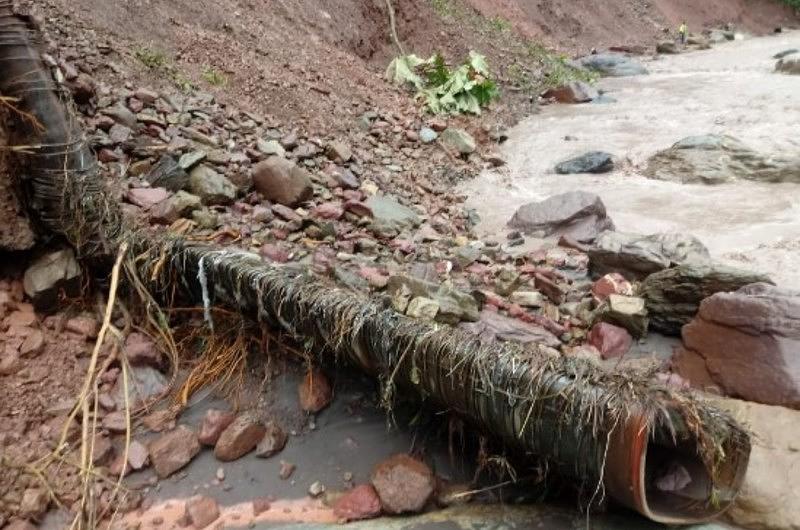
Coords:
540,69
157,60
443,7
151,58
792,3
214,77
499,24
466,89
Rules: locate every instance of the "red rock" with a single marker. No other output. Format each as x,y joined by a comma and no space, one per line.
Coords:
549,288
612,341
214,422
286,213
146,197
358,208
107,155
315,392
375,277
86,327
747,344
328,210
360,503
173,450
573,92
239,438
613,283
274,253
140,349
323,260
403,484
202,511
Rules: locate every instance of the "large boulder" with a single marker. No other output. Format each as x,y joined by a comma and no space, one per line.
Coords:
667,47
50,275
636,255
591,162
747,344
454,305
577,214
770,496
611,65
572,92
714,159
673,296
282,181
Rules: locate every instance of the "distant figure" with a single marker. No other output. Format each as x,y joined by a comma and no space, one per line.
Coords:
683,31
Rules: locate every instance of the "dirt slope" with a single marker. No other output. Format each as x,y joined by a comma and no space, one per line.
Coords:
582,24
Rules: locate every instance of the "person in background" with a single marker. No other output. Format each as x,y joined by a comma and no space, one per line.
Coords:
683,32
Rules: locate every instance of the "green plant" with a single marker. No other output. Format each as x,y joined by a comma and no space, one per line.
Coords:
466,89
214,77
150,57
792,3
443,7
499,24
556,69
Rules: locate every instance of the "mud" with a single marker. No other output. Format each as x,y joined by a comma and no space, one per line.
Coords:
730,89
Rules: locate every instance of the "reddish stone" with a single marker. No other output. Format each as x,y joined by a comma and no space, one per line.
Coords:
106,155
274,253
140,349
214,422
286,213
403,484
328,210
173,450
362,502
549,288
202,511
613,283
746,344
86,327
612,341
239,438
315,392
375,277
358,208
146,197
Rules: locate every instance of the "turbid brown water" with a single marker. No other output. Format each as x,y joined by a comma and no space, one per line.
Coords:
730,89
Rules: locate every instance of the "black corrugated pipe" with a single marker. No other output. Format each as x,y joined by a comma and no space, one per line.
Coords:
613,429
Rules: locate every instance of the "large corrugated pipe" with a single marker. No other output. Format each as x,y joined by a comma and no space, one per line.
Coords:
636,440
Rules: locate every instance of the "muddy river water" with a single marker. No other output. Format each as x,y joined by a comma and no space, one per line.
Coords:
731,89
